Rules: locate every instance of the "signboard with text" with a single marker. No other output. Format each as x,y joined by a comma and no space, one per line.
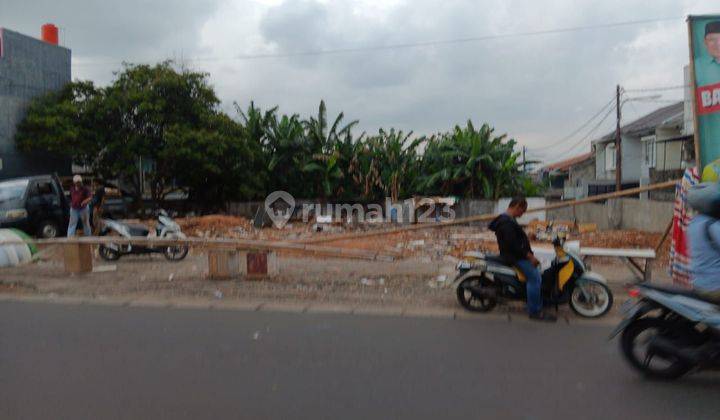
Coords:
705,57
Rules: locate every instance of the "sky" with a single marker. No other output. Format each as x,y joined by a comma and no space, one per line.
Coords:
536,88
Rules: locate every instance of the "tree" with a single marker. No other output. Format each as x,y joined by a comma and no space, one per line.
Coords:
471,162
148,102
123,130
225,164
69,122
323,144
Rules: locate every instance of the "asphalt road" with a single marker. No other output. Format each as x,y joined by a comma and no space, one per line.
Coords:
92,362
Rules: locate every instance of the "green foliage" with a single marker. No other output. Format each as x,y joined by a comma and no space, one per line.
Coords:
166,122
471,162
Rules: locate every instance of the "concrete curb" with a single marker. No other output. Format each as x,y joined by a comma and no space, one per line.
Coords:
296,307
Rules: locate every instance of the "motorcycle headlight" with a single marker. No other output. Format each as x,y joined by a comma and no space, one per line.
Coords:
15,214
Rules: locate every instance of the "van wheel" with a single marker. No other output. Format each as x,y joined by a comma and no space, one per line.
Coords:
48,230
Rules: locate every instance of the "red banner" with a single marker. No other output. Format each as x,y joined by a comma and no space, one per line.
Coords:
708,99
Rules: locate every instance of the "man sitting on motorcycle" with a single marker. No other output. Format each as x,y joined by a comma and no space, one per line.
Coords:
704,239
515,251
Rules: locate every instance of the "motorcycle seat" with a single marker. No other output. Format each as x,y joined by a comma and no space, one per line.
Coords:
681,291
497,259
138,230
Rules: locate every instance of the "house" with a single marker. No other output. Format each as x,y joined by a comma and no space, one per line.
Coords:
29,67
568,177
655,148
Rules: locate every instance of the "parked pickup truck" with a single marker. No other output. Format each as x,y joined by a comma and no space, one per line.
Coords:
36,205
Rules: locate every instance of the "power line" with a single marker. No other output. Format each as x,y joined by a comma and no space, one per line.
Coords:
588,134
657,89
418,44
576,131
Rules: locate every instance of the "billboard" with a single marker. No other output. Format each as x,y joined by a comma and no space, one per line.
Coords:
705,62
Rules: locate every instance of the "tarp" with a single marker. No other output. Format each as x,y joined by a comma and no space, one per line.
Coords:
13,254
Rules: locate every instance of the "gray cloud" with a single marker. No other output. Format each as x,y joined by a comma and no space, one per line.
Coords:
535,88
99,32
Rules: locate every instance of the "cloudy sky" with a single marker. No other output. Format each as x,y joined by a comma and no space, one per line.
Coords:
536,88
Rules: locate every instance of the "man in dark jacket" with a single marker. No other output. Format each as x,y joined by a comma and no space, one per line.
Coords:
515,251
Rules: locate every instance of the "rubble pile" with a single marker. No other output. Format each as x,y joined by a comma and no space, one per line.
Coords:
216,226
434,244
619,239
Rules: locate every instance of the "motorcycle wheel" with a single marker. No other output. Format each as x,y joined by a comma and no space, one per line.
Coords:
108,254
639,333
601,300
175,253
472,301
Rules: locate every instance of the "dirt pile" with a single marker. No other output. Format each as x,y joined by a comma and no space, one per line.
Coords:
216,226
619,239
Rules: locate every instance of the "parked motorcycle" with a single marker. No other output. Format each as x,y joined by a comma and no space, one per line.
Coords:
484,280
166,229
669,332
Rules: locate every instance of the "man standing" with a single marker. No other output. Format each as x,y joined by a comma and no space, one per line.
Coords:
79,198
515,251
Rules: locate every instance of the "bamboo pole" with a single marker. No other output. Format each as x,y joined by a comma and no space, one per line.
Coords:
488,217
243,244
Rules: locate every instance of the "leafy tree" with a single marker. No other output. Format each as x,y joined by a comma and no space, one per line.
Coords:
165,124
323,144
221,158
69,122
471,162
149,102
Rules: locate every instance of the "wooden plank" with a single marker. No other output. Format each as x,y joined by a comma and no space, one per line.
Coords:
202,243
647,253
488,217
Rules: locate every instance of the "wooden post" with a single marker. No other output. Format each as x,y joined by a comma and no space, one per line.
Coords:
225,264
77,258
665,235
262,264
618,144
693,89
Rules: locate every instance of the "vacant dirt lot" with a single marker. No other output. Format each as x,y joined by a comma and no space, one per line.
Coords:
418,278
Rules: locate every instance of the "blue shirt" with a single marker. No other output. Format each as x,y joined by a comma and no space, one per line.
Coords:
704,258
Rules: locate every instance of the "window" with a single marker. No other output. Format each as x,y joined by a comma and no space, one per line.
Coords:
610,157
649,151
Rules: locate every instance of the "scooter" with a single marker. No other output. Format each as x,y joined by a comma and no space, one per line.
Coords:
484,280
668,332
166,229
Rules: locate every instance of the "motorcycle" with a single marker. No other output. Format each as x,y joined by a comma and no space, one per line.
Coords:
166,229
484,280
668,332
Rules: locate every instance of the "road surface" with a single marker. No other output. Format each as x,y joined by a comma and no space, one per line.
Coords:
91,362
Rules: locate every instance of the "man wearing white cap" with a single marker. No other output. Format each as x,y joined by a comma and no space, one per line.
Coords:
79,198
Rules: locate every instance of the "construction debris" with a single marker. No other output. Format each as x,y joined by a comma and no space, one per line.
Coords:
216,226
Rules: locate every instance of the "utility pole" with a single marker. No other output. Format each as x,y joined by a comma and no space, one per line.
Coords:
524,167
618,144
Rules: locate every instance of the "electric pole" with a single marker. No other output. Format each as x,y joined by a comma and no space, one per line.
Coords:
524,167
618,143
